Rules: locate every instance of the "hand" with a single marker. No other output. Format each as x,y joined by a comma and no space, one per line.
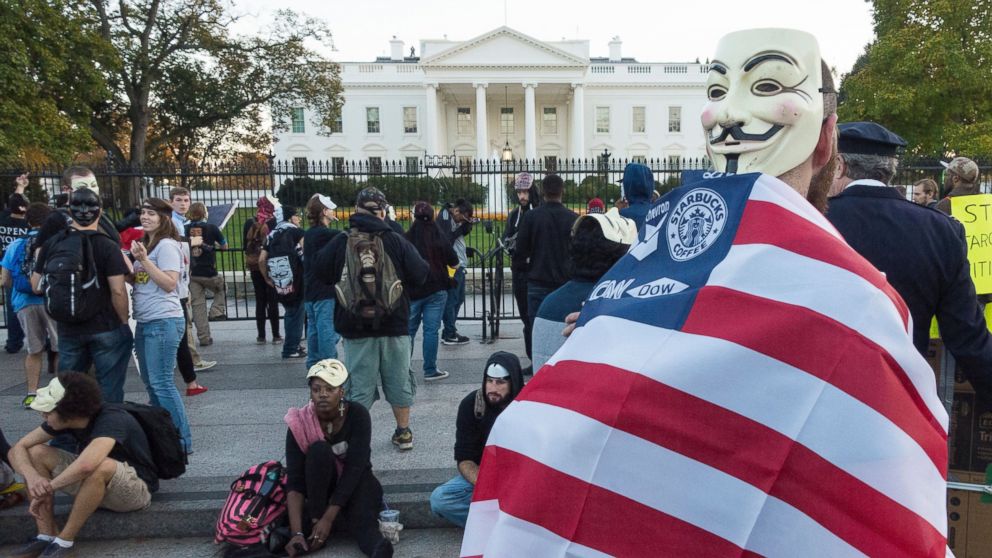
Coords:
36,509
21,183
570,322
471,252
297,540
39,487
622,203
321,530
139,251
196,241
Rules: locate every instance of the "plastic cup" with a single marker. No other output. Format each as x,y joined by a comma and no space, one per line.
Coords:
389,516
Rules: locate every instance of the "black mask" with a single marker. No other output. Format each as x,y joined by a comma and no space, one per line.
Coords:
84,206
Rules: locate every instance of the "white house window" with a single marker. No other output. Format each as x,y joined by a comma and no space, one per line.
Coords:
375,165
506,121
465,163
639,159
412,165
300,166
337,125
675,119
639,126
464,121
337,165
299,126
409,120
602,120
550,163
372,120
674,161
549,121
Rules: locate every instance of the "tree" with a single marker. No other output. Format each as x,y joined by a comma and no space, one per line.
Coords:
51,72
184,85
927,75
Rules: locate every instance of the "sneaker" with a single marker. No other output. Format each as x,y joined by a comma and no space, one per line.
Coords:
403,438
439,375
190,392
31,549
54,550
260,340
206,342
298,353
456,339
220,318
27,401
277,339
204,365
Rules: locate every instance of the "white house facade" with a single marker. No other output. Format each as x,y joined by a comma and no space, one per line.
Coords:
505,94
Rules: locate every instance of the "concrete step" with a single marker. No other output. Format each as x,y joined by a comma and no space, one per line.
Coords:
189,507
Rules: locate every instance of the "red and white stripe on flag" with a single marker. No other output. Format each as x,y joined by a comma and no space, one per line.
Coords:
789,415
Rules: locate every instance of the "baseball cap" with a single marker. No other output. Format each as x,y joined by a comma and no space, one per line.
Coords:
615,228
523,181
331,370
964,168
497,371
326,201
48,397
596,205
371,199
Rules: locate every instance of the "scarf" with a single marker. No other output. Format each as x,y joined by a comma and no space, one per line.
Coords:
265,210
304,425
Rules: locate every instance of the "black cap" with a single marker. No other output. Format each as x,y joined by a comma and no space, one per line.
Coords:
868,138
372,199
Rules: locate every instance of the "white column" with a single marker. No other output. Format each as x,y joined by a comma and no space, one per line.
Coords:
481,133
430,121
578,121
530,122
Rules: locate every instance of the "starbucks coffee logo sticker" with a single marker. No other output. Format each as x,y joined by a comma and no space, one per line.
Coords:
696,223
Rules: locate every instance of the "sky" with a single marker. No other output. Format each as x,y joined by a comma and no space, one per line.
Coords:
659,31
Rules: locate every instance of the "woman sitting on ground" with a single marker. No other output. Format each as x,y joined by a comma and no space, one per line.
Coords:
328,459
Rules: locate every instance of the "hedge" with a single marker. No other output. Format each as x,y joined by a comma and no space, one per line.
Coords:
401,191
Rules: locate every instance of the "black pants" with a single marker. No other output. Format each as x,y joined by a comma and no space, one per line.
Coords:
360,515
266,305
184,360
519,281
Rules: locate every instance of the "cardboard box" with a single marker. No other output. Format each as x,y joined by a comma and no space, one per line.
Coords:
970,434
979,530
957,521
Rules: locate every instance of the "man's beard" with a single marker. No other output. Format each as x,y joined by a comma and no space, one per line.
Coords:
819,185
500,401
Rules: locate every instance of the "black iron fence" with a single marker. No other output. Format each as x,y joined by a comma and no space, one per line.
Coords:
488,184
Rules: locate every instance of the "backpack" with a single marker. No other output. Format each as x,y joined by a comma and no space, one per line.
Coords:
70,282
369,288
164,441
253,243
285,266
23,258
254,507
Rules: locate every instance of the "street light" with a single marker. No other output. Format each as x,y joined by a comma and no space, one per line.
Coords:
507,152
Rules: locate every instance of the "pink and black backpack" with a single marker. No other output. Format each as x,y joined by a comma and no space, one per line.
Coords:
254,507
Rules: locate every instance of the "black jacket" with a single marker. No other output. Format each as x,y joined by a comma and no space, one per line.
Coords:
543,241
476,416
924,257
410,268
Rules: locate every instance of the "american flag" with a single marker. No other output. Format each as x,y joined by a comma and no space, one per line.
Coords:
741,383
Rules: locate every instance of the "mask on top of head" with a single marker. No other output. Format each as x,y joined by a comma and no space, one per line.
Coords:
84,206
765,106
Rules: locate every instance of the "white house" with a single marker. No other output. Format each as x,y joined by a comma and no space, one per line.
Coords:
542,99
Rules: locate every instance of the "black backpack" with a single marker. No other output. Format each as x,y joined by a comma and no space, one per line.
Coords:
70,282
164,441
285,266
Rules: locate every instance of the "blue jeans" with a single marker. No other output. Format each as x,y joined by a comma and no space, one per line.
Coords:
15,335
322,340
156,343
456,296
108,351
292,322
428,309
535,296
451,500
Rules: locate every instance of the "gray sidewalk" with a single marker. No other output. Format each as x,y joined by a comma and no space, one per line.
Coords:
238,423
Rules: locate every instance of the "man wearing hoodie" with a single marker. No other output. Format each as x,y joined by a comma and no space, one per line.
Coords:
376,350
502,380
527,199
638,187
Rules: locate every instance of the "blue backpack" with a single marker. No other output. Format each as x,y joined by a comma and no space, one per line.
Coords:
23,261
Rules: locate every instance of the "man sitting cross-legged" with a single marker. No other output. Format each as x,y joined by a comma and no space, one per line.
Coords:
114,470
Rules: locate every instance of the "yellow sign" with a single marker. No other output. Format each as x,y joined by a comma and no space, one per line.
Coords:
975,213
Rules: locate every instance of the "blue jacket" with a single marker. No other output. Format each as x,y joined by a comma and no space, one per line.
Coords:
923,255
638,186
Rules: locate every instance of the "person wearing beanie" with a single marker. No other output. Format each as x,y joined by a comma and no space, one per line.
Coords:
527,198
427,301
376,350
502,380
599,240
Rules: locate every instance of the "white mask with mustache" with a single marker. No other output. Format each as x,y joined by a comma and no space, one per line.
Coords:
765,105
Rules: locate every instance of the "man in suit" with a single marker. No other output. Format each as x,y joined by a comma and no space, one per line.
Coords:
921,251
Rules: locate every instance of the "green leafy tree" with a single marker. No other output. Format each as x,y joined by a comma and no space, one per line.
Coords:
927,75
183,84
51,73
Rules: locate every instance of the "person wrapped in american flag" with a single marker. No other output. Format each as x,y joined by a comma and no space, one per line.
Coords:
742,382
